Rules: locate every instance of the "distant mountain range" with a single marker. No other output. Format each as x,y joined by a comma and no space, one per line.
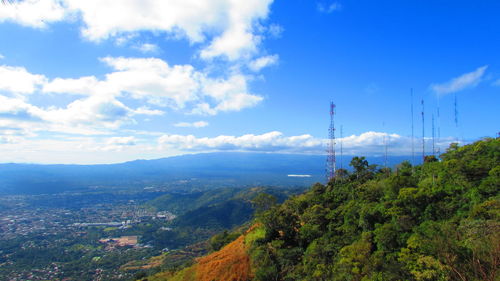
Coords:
186,172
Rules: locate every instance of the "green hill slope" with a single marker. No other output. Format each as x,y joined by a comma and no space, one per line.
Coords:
437,221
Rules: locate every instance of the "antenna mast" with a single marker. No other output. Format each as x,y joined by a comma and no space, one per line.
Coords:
385,147
433,141
341,146
423,133
456,118
438,150
331,161
412,131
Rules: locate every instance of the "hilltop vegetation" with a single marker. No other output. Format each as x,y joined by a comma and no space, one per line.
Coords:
437,221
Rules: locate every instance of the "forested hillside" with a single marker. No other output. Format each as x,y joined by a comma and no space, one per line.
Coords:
437,221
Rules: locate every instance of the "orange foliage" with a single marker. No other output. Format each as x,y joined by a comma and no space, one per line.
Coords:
231,263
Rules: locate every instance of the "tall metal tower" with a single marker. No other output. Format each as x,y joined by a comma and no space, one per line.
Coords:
341,146
457,128
423,133
433,136
330,160
412,131
438,150
385,146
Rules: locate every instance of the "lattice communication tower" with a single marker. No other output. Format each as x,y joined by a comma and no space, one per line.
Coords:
330,160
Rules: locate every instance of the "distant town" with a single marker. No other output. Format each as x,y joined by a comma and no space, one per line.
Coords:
30,229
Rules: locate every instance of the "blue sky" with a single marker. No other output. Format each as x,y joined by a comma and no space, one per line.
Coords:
109,81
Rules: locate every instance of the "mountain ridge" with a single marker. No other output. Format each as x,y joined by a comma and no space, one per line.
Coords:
204,169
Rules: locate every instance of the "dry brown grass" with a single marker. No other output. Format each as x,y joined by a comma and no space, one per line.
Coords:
231,263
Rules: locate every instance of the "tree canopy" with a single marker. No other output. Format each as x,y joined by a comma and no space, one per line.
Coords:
437,221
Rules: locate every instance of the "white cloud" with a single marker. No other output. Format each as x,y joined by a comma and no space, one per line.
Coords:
230,95
198,124
258,64
91,115
235,43
122,141
156,82
272,141
224,28
178,86
147,48
238,38
17,110
369,143
461,82
83,85
95,111
18,80
34,13
98,104
335,6
144,110
1,57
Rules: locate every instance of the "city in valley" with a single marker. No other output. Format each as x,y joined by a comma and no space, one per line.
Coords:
43,237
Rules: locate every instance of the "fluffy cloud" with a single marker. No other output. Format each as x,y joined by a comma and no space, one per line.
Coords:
258,64
272,141
461,82
18,80
81,86
369,143
198,124
179,86
34,13
14,109
225,28
92,115
100,111
229,94
157,83
98,103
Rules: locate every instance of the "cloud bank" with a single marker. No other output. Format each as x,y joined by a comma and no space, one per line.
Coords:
368,143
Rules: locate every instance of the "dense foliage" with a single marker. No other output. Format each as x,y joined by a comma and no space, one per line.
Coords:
437,221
